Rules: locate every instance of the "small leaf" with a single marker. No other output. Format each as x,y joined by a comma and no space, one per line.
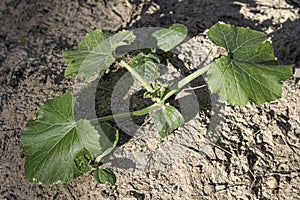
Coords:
169,38
104,176
56,147
167,119
146,65
82,160
109,137
249,71
95,52
158,93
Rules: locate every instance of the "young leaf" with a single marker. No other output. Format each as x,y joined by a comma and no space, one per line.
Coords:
82,160
95,52
169,38
109,137
167,119
104,176
147,66
56,147
158,93
249,71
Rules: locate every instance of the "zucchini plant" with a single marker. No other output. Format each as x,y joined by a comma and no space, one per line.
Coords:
58,148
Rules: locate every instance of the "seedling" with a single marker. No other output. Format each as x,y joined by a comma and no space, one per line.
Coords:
58,148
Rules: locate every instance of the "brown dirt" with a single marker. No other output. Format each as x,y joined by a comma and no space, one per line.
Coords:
257,147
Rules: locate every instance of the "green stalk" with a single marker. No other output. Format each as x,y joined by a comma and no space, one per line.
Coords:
125,115
183,82
137,76
130,114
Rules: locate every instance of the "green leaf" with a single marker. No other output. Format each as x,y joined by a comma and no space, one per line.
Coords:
146,65
158,93
82,160
249,71
104,176
109,137
56,147
95,52
76,57
167,119
169,38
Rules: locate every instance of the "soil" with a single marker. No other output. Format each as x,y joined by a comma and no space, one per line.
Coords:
243,153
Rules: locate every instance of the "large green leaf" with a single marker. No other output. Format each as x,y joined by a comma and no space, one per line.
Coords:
103,175
249,71
167,119
169,38
95,52
56,147
147,65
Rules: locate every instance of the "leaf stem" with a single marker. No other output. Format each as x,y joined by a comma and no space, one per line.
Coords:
137,76
183,82
129,114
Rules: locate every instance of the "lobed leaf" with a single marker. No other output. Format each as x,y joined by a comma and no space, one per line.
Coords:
78,54
56,147
167,119
95,52
249,71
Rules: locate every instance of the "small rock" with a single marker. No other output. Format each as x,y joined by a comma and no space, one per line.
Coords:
208,189
297,73
181,56
220,187
272,182
220,154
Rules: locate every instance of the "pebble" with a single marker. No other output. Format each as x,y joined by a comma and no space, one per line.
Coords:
272,182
